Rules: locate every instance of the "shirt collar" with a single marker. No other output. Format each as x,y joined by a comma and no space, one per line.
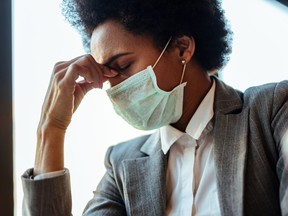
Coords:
202,116
196,125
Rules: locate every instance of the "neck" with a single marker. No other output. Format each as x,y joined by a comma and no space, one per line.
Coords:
198,85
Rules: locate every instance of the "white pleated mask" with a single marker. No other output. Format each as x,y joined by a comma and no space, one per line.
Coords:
140,102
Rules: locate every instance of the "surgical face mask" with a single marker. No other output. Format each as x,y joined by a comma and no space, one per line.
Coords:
140,102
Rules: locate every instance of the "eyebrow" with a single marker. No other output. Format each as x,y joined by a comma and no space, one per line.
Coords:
113,58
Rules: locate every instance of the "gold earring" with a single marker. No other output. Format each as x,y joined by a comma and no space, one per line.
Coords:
183,71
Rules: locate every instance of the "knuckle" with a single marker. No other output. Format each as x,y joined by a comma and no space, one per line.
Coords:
57,76
87,56
78,69
58,66
88,59
74,67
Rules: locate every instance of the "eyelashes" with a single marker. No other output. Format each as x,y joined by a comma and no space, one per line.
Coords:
124,68
120,69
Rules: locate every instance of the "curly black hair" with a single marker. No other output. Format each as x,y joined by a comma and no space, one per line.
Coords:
161,19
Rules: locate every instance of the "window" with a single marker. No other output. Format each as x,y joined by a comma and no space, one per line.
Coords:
260,43
6,126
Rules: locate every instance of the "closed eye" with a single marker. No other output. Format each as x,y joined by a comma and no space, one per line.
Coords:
123,68
122,71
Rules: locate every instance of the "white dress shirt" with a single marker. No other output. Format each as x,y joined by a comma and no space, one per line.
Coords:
191,176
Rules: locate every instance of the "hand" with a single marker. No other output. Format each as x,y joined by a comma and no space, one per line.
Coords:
62,99
65,94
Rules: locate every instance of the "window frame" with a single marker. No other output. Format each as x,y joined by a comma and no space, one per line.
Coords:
6,114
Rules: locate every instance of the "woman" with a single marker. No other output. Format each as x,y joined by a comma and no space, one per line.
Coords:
218,151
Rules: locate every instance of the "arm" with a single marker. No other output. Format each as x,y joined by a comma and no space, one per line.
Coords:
50,196
64,95
280,126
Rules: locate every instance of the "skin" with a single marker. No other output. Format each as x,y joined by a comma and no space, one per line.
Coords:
116,55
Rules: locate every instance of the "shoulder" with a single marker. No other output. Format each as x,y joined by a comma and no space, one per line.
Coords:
277,90
265,92
268,96
265,101
268,108
256,96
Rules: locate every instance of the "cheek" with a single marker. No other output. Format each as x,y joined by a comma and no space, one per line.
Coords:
168,75
116,80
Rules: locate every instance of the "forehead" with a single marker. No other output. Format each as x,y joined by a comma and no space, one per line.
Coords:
110,38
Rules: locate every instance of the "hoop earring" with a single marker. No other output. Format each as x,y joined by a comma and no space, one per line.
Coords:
183,71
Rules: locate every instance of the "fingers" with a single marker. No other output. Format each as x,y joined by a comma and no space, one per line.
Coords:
65,92
64,85
84,66
108,73
64,64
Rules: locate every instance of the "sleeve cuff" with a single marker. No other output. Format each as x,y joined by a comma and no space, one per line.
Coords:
49,175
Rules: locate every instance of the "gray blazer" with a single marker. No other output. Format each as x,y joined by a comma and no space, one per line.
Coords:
251,166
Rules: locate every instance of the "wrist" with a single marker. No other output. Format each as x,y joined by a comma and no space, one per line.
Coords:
50,149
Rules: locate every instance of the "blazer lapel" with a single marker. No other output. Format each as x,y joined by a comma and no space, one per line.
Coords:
230,148
146,180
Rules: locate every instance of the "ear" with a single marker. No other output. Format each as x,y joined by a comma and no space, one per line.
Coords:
186,47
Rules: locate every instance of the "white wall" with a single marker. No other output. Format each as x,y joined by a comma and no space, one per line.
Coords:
260,42
42,37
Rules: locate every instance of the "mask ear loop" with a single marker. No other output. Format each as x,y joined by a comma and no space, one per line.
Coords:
162,52
183,71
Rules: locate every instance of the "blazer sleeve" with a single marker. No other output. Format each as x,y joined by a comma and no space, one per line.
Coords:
50,196
108,197
280,133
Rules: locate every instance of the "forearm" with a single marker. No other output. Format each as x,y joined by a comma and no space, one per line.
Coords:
50,150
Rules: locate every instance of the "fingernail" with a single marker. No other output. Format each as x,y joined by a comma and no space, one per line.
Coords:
110,73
